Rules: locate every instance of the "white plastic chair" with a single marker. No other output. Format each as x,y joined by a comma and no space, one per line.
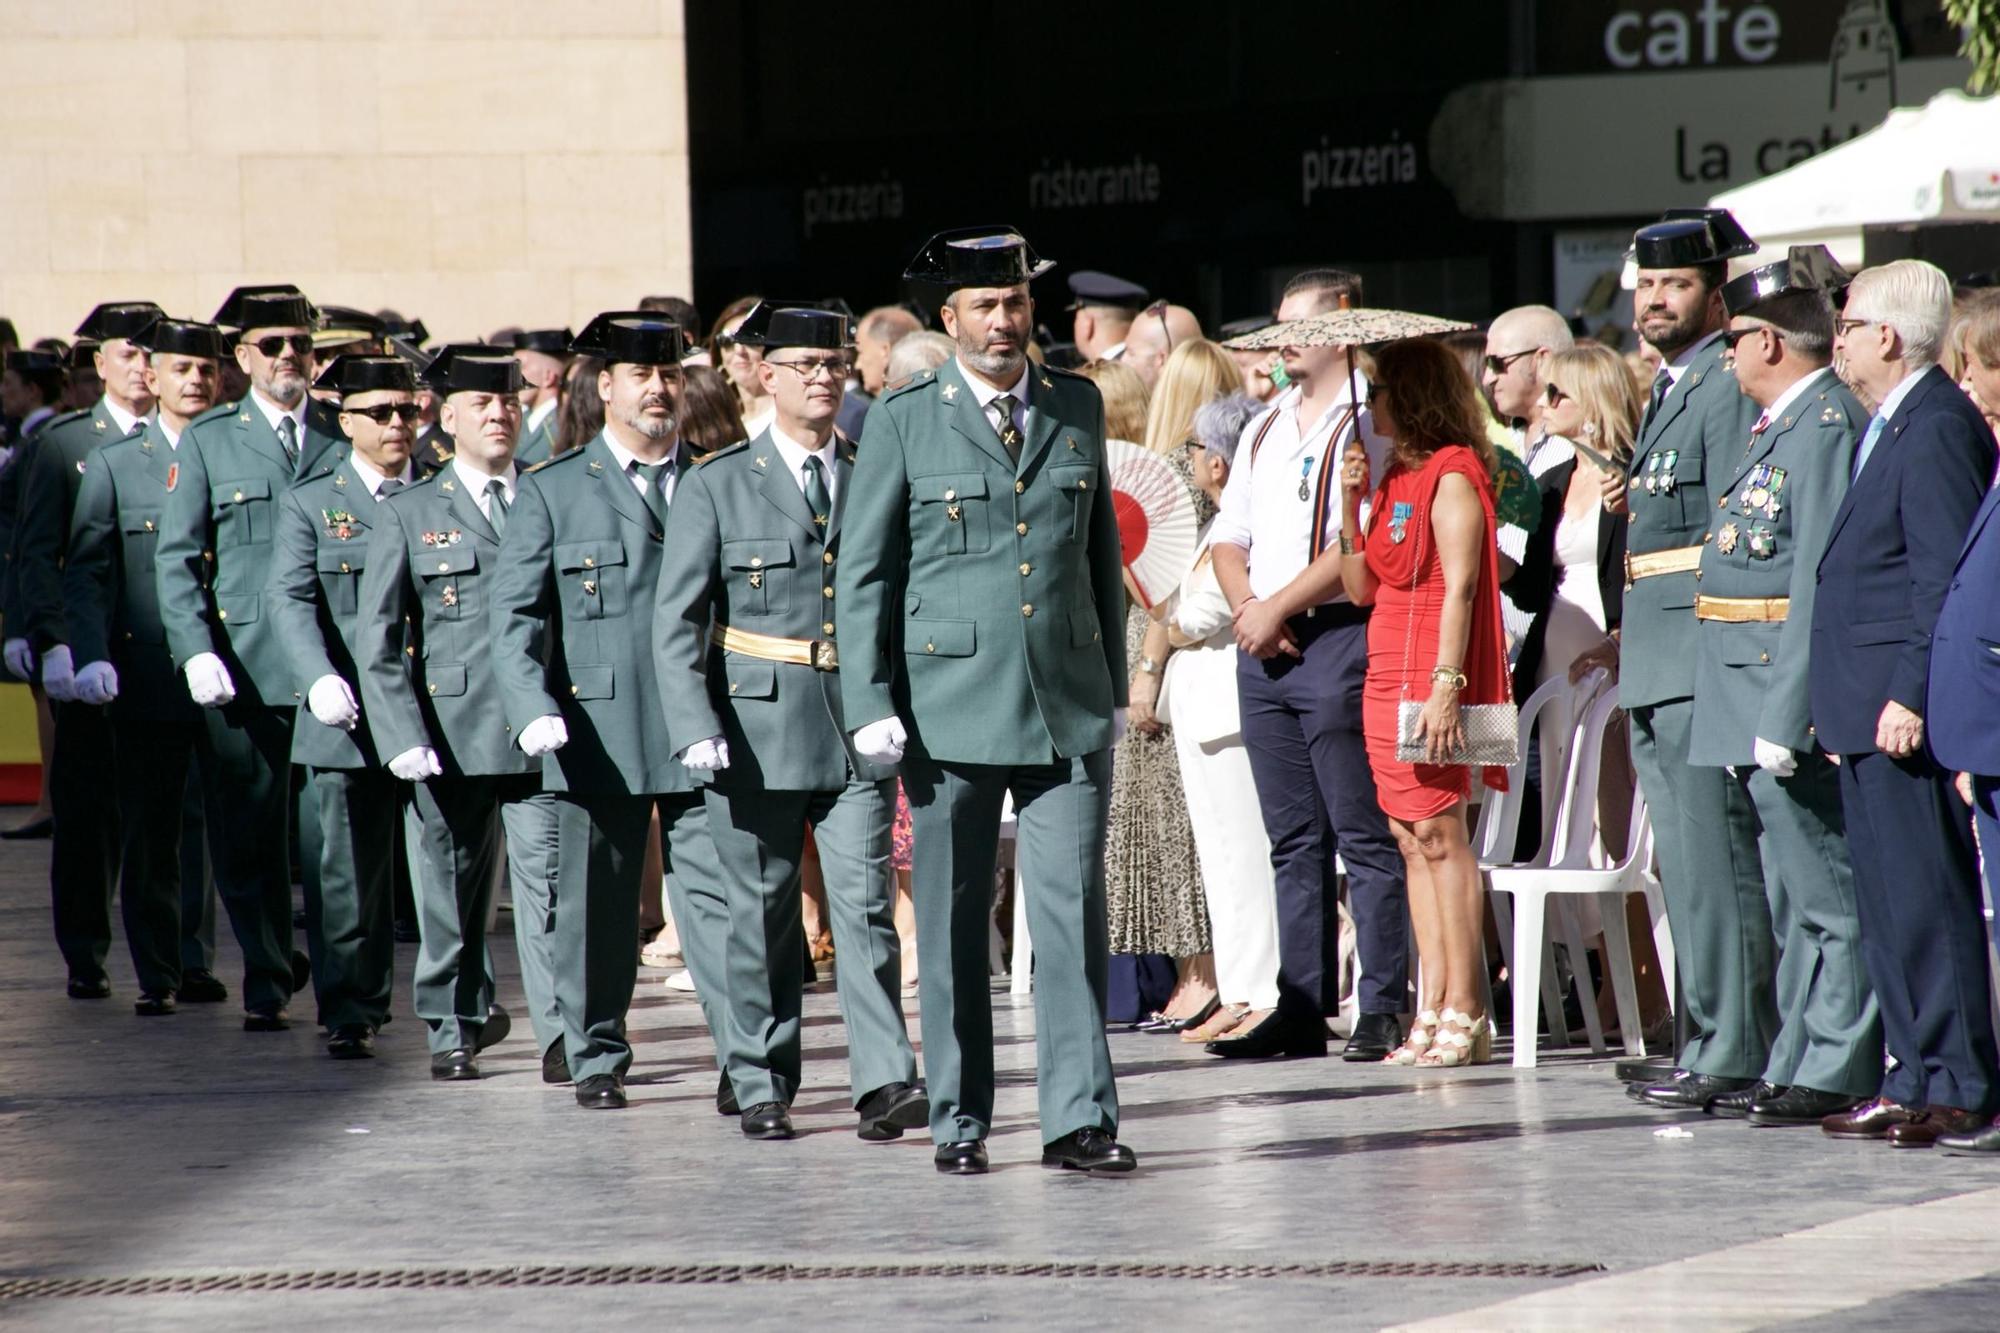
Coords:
1569,871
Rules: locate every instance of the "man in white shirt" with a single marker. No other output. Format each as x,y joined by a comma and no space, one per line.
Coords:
1304,655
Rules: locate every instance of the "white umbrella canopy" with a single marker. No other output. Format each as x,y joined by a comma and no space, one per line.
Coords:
1939,161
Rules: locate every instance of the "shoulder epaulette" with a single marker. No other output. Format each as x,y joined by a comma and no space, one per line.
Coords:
216,413
923,379
726,451
554,458
54,423
1059,373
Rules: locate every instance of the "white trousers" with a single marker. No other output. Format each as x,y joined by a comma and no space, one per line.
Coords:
1235,859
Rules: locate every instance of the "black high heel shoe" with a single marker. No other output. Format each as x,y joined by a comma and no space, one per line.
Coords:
1174,1026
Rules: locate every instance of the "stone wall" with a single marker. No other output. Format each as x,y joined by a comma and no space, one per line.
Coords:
475,163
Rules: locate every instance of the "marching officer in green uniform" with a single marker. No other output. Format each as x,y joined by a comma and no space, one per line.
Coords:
1694,429
83,864
579,570
1774,513
214,561
112,614
432,698
981,624
351,806
543,353
744,631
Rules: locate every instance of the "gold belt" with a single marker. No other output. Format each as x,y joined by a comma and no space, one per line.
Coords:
819,654
1650,564
1742,610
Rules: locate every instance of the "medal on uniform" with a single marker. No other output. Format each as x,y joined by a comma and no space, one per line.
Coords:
1305,470
1399,520
1667,483
1762,544
173,475
449,595
1725,540
339,523
1772,504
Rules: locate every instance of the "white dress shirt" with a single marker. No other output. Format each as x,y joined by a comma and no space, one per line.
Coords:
1894,398
626,459
371,477
986,395
543,411
476,482
796,454
123,420
1261,510
274,414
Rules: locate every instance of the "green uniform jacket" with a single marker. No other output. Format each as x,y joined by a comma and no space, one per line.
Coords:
426,635
581,566
744,551
216,544
979,600
1750,677
110,593
538,444
55,469
1705,413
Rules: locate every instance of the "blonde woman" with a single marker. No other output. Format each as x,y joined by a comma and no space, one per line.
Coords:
1125,398
1197,373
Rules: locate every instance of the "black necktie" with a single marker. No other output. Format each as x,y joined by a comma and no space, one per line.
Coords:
389,488
288,436
817,497
1663,384
655,500
1010,434
496,506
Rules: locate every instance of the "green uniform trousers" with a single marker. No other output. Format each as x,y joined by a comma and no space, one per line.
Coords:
601,850
1713,880
245,755
83,862
197,886
347,834
1829,1029
164,894
459,826
759,842
1061,809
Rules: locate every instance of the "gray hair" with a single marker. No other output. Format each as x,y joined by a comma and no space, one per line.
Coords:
913,353
1220,424
1911,297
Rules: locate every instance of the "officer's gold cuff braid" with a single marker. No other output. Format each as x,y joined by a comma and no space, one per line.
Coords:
1742,610
1651,564
819,654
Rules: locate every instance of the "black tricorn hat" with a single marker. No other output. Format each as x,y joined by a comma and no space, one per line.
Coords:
550,342
474,368
367,374
34,361
995,256
644,337
796,324
83,355
1808,268
118,319
411,331
183,337
281,306
340,325
1690,237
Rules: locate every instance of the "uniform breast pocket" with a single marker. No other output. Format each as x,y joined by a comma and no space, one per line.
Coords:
759,572
592,575
340,575
447,574
1076,493
953,517
241,511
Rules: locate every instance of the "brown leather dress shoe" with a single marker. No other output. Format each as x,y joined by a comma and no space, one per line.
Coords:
1935,1120
1870,1120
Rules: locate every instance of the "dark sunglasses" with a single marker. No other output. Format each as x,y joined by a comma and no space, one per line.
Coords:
724,342
1497,365
301,343
1554,395
1158,310
1734,336
1375,391
407,413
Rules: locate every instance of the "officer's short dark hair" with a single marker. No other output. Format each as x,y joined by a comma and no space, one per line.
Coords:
678,309
1328,285
1805,318
1712,275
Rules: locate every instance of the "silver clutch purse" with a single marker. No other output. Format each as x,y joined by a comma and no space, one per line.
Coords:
1492,735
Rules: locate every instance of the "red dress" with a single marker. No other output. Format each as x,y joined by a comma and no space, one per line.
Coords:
1401,655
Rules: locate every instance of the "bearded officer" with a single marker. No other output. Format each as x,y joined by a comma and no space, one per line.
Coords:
580,570
982,645
434,705
744,631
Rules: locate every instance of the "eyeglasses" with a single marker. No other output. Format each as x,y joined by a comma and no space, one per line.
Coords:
1497,365
834,367
1734,336
301,343
725,343
1554,395
1375,391
1843,327
1158,310
407,413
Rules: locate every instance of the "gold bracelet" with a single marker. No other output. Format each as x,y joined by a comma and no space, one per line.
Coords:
1349,545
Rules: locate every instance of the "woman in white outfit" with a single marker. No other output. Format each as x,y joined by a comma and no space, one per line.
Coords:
1198,699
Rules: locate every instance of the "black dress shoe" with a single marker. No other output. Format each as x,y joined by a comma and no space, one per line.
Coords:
302,971
1270,1039
768,1120
1801,1106
1689,1091
495,1029
201,987
457,1066
1089,1150
1644,1070
892,1108
154,1004
271,1018
1161,1023
1978,1142
1375,1035
86,988
967,1157
351,1041
38,828
725,1097
601,1092
1735,1105
555,1063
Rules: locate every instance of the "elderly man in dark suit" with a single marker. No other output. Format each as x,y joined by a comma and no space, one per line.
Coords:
1920,474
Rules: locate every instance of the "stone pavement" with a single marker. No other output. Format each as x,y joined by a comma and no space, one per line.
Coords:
203,1175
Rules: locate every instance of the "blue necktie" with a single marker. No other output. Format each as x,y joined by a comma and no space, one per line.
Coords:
1868,438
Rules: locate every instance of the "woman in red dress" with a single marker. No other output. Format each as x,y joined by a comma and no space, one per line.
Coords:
1427,565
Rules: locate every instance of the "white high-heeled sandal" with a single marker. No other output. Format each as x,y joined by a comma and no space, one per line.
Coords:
1461,1040
1421,1033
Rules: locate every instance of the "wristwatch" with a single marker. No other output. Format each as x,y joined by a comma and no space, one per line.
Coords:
1149,666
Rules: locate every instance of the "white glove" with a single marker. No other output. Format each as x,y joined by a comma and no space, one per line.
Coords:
332,702
882,742
97,683
20,659
707,756
1117,725
59,674
544,735
1775,759
416,764
208,680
